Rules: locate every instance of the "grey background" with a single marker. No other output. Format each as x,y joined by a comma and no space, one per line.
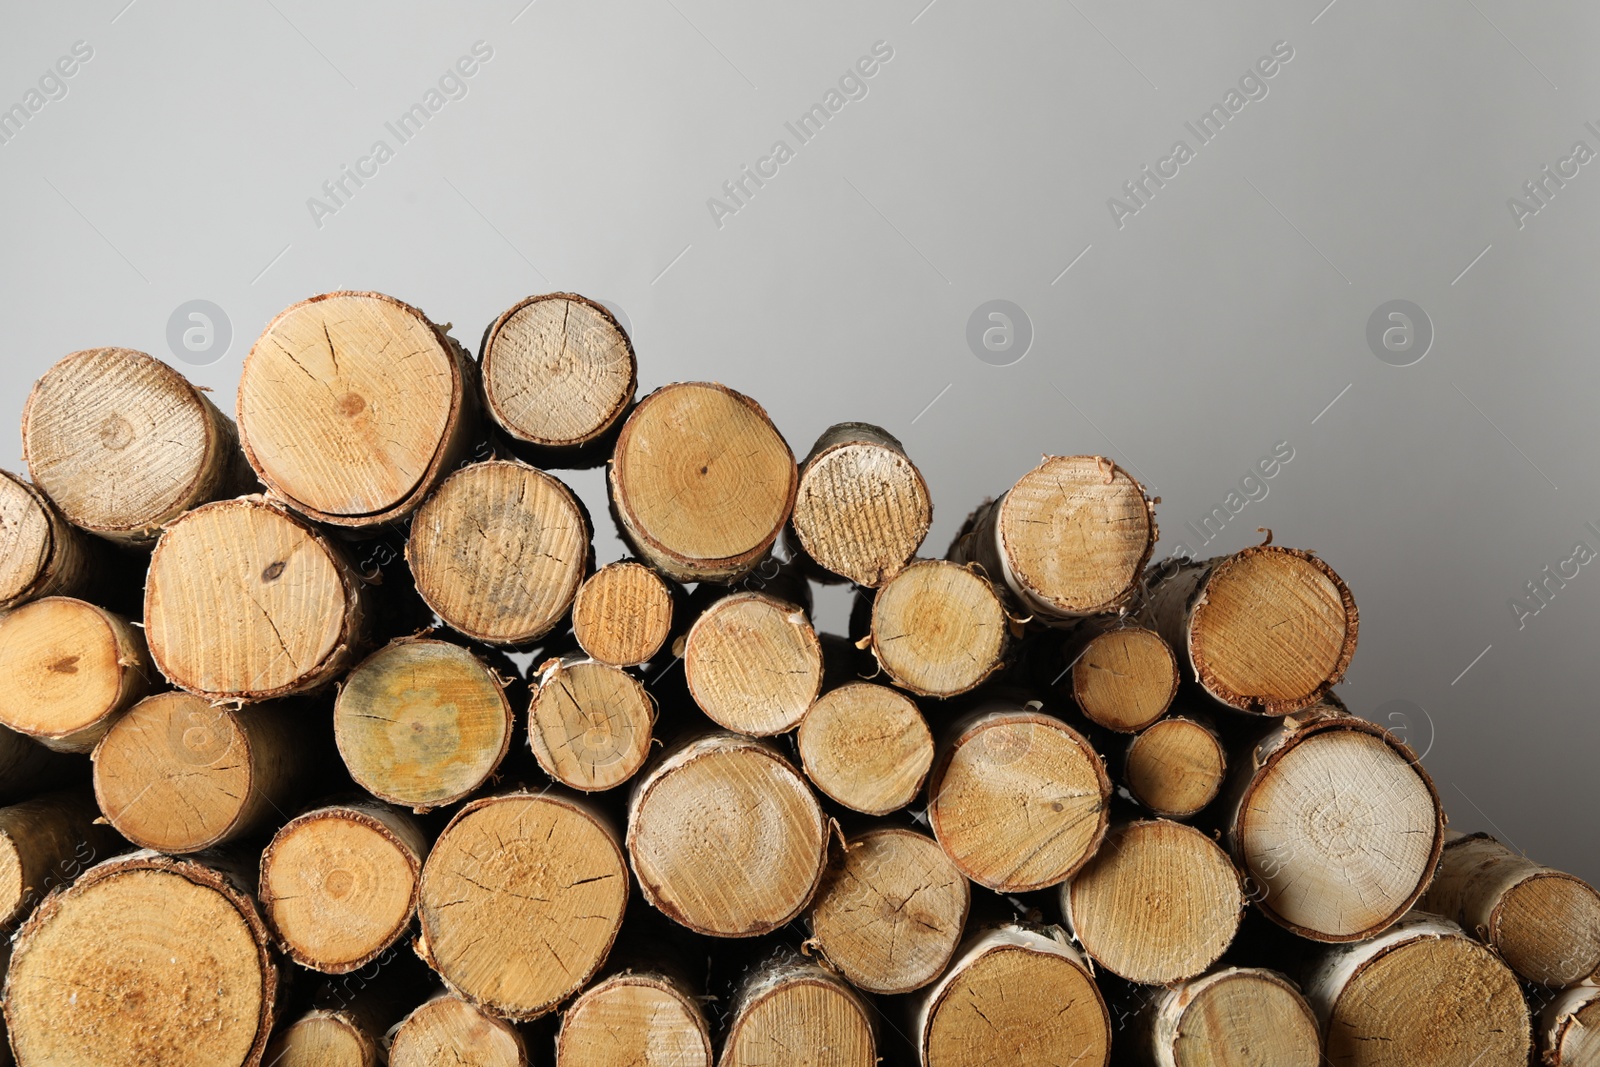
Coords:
1226,316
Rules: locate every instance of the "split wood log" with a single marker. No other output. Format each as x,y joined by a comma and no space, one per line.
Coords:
1018,799
793,1011
144,959
1422,994
1175,767
890,911
623,614
1123,678
634,1019
1336,824
46,842
1569,1028
352,405
422,723
323,1038
938,629
862,509
589,724
244,602
522,897
725,837
866,746
701,481
123,444
1235,1017
558,370
179,774
1070,539
1543,923
28,768
339,884
448,1029
1158,904
41,554
70,668
1269,629
753,663
499,550
1014,994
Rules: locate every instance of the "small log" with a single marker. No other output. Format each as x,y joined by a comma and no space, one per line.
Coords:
448,1030
70,668
1018,799
862,509
422,723
353,405
246,602
349,1018
41,554
1268,630
701,481
1123,678
1014,994
623,614
1070,539
589,723
1158,904
558,370
144,959
339,884
1545,924
791,1007
1422,994
1235,1017
866,746
938,629
1336,824
634,1019
522,897
322,1038
499,550
46,842
28,768
753,663
123,444
1569,1028
725,837
1175,767
890,911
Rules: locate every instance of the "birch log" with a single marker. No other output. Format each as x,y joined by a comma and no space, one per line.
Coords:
622,614
589,723
793,1011
866,746
449,1030
45,842
753,663
41,554
862,509
70,668
634,1019
1235,1017
1569,1028
938,629
1175,767
322,1038
1123,678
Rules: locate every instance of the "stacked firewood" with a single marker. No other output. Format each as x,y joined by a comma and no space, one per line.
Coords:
327,742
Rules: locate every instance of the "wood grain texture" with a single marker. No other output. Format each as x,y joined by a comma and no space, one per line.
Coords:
634,1019
70,668
622,614
41,554
1175,767
448,1030
753,663
866,746
1125,678
938,629
1234,1017
324,1039
862,508
45,842
1569,1028
589,723
792,1011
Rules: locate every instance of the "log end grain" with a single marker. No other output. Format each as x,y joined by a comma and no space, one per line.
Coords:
622,614
1547,928
862,509
795,1011
1125,678
753,663
1238,1017
45,842
1569,1028
40,554
449,1030
866,746
323,1039
938,628
634,1020
69,667
1175,767
589,724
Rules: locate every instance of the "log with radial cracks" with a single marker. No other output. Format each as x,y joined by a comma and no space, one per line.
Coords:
448,1030
589,723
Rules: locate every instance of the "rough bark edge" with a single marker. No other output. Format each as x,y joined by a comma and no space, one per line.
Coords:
658,981
541,750
71,563
844,434
1161,1024
1558,1018
782,973
1002,649
789,609
372,1053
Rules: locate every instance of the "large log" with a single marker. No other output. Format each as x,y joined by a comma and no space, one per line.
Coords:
41,554
47,842
938,629
1234,1017
792,1010
753,663
862,508
589,723
449,1030
622,614
634,1019
70,668
866,746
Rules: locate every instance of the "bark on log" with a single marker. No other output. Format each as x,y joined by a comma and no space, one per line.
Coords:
634,1019
47,842
41,553
1569,1028
352,405
1175,767
123,444
448,1029
702,482
938,629
1123,678
753,663
866,746
791,1010
70,668
862,508
1235,1017
589,724
623,614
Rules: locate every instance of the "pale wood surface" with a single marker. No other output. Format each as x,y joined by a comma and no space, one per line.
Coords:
622,614
69,667
1125,678
1569,1028
589,724
1234,1017
448,1031
938,628
794,1012
862,508
41,554
1175,767
634,1019
323,1039
866,746
753,663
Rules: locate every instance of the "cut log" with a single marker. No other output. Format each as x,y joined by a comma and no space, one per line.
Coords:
41,554
1175,767
1269,630
70,667
1336,824
1569,1028
1123,678
1543,923
449,1030
499,550
862,509
1236,1017
938,629
1422,994
28,768
339,884
522,897
890,911
558,370
178,774
1014,995
644,1019
47,842
792,1011
145,959
123,444
753,663
1158,904
589,723
622,614
422,723
353,405
322,1038
726,838
1071,538
245,602
701,481
1018,799
866,746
